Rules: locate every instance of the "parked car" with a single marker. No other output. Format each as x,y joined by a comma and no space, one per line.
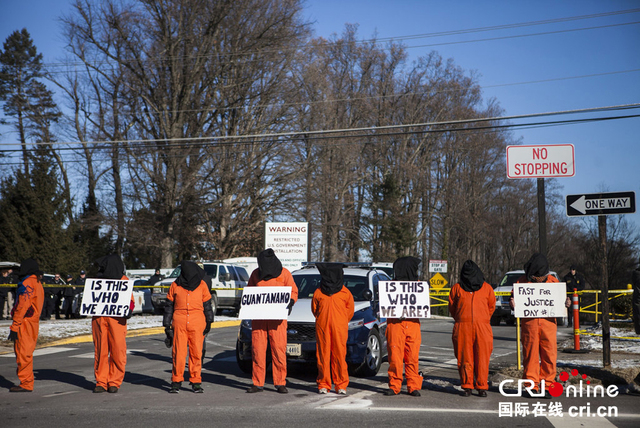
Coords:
227,282
503,310
366,342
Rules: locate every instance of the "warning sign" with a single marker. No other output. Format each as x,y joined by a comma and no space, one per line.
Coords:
437,282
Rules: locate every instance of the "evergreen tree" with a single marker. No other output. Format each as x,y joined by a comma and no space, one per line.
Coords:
20,67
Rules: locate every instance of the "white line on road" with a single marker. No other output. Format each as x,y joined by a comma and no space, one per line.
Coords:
569,422
430,410
92,355
57,394
41,351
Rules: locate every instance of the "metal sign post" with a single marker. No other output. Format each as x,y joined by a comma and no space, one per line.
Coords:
606,332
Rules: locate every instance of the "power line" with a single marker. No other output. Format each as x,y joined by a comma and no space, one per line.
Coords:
255,138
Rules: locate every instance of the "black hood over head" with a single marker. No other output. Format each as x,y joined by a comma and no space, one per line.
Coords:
537,268
190,275
406,268
471,277
331,277
110,267
269,265
28,267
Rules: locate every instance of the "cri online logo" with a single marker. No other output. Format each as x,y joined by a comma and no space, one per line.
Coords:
557,389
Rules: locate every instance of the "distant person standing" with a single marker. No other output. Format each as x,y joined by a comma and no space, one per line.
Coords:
26,322
4,291
155,278
68,293
635,299
58,293
573,279
49,301
332,306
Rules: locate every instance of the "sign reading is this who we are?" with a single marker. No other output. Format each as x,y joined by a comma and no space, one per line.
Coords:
107,297
404,299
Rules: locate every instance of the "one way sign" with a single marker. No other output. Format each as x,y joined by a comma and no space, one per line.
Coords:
601,204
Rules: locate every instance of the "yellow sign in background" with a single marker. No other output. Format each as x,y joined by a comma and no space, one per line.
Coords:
437,282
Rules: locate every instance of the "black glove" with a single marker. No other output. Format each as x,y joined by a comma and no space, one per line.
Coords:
208,315
13,336
169,340
290,305
167,319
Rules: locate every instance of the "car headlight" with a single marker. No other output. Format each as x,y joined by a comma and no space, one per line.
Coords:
246,324
157,290
353,324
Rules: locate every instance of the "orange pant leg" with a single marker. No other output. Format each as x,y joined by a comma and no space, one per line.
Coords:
395,349
463,349
339,369
24,347
180,347
413,341
323,354
117,350
99,330
531,349
548,351
483,346
259,351
196,340
278,340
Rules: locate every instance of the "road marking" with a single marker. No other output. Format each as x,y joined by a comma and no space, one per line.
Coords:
569,422
355,401
41,351
429,410
57,394
92,354
443,365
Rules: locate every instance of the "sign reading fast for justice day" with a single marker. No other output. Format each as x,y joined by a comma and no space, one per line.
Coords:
264,303
106,297
540,300
404,299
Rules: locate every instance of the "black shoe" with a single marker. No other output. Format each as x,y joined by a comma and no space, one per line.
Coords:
466,393
390,392
482,393
254,389
98,389
18,389
415,393
175,387
112,389
282,389
197,388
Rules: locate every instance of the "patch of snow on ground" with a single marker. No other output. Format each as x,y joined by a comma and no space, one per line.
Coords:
62,329
623,345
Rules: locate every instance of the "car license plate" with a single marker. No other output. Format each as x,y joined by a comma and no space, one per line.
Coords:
294,349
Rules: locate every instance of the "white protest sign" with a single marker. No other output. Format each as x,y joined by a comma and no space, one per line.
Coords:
404,299
540,300
106,297
264,303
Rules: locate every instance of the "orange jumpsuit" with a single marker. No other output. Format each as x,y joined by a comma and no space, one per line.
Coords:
110,343
274,331
26,322
188,326
540,347
403,346
333,314
472,334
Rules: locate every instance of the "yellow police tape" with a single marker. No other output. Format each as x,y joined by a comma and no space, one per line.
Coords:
584,333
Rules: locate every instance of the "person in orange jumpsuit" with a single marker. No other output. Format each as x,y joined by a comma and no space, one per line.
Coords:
110,334
332,306
187,319
404,338
471,304
26,322
270,273
539,343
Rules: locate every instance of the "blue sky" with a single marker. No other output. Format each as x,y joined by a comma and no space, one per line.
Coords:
577,64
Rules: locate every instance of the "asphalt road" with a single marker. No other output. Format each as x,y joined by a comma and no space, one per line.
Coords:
64,381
